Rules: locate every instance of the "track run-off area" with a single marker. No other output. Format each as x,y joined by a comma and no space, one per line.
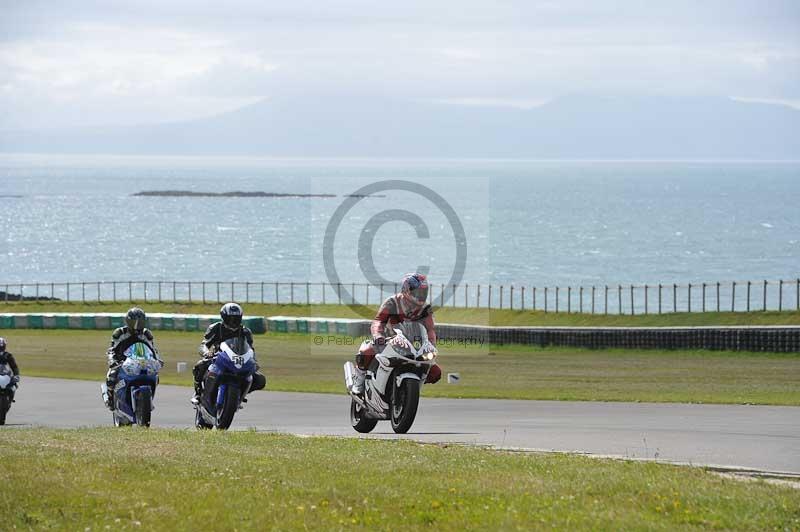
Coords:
746,437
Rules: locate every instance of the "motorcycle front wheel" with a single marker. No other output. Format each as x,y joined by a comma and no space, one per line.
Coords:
405,401
229,408
358,421
5,404
144,407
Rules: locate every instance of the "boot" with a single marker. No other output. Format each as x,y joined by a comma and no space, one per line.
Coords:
195,400
359,377
109,399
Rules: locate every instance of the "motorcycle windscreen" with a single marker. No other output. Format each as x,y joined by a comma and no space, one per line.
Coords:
414,331
238,344
139,351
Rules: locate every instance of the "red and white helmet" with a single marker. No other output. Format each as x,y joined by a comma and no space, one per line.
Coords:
415,288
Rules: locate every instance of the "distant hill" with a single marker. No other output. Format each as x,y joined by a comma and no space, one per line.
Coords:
368,126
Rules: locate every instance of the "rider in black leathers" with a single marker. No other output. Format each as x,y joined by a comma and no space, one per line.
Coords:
121,339
8,358
229,327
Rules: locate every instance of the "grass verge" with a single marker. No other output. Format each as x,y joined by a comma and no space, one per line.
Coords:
163,480
444,315
296,363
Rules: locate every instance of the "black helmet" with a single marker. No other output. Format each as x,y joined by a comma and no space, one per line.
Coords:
135,319
3,344
231,315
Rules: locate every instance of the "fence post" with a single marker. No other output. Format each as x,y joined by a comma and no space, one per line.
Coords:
5,294
83,292
592,299
291,293
733,296
569,300
37,293
619,299
632,305
490,297
189,283
674,297
780,295
262,292
557,290
511,297
466,295
749,283
522,298
308,295
478,297
52,290
689,304
645,299
605,302
277,293
717,296
323,292
797,295
704,297
217,289
174,292
580,302
501,296
441,296
130,291
545,300
533,306
233,291
764,305
659,297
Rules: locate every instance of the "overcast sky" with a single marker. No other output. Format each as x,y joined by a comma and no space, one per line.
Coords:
106,62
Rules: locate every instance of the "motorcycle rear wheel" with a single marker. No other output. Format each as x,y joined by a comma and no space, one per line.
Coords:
229,408
199,422
405,401
360,423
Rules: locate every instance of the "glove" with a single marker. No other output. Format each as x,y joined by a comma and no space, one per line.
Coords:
399,341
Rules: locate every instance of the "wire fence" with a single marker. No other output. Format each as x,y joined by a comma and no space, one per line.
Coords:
659,298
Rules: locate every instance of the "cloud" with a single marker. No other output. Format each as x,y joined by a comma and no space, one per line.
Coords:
155,61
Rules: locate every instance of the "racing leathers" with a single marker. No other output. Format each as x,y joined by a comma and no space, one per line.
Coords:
121,339
394,310
213,338
7,358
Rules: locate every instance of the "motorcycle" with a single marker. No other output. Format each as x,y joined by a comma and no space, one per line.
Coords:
226,382
7,387
393,380
135,389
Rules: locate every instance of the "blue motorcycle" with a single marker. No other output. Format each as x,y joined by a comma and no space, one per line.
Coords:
136,387
227,381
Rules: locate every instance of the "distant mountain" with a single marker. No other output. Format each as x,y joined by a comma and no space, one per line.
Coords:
584,127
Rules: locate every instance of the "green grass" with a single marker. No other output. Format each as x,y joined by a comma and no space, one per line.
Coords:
95,479
444,315
295,363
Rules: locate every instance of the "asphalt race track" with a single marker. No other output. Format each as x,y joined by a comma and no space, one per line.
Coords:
765,438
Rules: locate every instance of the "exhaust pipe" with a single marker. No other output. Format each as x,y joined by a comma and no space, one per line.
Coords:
348,375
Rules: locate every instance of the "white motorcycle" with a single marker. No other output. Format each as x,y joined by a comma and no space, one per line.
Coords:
8,385
393,380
